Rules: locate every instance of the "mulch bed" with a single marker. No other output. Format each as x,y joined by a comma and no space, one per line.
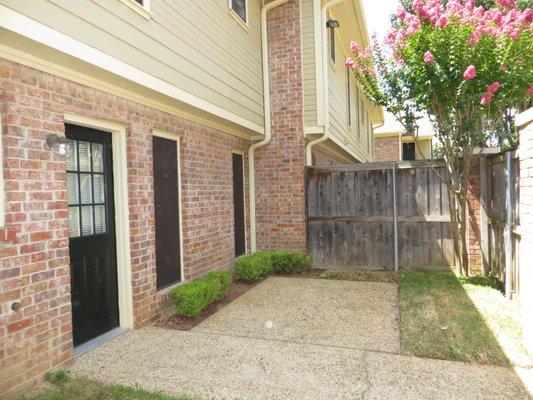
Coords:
183,323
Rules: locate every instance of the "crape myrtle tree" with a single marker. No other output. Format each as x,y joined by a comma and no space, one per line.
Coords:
468,65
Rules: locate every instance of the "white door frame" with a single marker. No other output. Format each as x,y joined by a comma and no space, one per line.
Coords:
122,219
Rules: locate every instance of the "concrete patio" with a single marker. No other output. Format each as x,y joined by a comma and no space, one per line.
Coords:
328,340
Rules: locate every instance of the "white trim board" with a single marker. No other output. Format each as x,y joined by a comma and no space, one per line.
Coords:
122,217
27,27
177,137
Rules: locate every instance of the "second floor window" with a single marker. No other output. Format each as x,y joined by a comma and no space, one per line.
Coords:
348,97
408,151
239,6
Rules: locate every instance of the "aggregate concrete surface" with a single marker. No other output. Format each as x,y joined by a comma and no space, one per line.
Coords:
295,338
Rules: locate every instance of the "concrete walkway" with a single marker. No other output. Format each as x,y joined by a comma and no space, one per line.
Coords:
320,346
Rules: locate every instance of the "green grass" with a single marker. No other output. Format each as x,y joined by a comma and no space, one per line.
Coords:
465,319
67,388
359,275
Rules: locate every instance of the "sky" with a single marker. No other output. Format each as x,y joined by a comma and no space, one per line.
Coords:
377,13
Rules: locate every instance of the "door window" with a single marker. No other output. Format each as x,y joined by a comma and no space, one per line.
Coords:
86,189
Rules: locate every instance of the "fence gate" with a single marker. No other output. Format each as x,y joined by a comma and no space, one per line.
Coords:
500,198
379,216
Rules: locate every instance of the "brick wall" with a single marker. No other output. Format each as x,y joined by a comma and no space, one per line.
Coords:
280,186
386,149
34,269
473,234
525,123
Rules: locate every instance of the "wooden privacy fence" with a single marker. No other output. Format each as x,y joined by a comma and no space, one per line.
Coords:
500,197
379,216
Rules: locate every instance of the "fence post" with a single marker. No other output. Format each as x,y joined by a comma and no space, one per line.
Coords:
395,216
484,217
508,233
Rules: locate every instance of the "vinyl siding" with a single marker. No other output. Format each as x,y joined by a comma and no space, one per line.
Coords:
309,65
357,137
196,46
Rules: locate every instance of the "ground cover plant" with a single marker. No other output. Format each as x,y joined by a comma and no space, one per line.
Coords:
358,275
465,319
257,266
192,298
64,387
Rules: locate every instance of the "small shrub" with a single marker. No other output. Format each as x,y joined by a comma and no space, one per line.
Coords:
259,265
253,267
290,262
192,298
57,377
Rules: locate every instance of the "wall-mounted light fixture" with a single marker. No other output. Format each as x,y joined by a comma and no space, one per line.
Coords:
332,23
57,143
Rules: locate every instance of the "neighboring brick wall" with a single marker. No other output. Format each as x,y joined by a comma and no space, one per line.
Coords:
34,269
386,149
280,186
322,157
473,234
525,122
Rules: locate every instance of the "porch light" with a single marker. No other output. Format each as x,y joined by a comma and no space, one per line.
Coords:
332,23
57,143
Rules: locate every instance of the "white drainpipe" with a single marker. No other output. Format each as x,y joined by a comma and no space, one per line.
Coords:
325,82
266,106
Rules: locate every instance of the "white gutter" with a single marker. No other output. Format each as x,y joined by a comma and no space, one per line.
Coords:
266,106
325,82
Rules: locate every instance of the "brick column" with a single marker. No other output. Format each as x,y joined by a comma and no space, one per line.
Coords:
525,275
473,234
280,181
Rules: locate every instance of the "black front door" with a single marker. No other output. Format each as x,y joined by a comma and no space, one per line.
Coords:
167,223
238,205
91,225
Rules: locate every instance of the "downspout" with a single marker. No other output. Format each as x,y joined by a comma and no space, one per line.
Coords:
267,120
325,82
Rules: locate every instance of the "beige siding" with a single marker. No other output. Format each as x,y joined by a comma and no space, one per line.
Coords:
309,65
357,137
195,45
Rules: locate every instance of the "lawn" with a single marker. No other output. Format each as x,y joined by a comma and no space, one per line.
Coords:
464,319
63,387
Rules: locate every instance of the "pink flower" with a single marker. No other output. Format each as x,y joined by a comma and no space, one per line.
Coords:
350,63
442,21
470,73
486,98
493,87
400,13
428,57
529,90
354,46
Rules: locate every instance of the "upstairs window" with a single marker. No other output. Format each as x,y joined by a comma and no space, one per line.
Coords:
332,24
348,98
408,151
142,7
239,7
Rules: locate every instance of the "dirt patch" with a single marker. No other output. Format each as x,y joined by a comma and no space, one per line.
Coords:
183,323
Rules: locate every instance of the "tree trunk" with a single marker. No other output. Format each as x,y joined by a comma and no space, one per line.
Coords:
462,230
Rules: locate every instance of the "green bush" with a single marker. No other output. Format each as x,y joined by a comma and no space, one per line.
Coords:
192,298
253,267
259,265
290,262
